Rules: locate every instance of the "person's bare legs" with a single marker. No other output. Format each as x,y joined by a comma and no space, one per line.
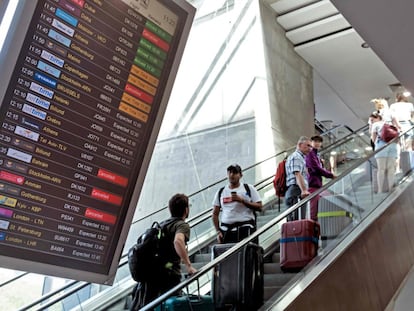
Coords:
382,166
390,168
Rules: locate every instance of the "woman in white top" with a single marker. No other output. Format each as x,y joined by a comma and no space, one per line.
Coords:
385,158
404,112
381,108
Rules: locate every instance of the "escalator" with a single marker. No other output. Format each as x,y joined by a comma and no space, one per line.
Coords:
359,269
206,236
73,295
366,266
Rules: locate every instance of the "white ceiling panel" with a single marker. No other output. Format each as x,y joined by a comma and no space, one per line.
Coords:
283,6
353,73
307,15
347,76
318,29
387,26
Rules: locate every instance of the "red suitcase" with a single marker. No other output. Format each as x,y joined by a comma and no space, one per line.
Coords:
298,244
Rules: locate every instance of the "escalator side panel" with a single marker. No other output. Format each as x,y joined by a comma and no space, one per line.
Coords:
368,273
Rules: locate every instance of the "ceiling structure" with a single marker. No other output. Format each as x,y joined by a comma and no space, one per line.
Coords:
346,75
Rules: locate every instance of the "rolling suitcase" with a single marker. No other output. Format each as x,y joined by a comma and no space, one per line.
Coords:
331,217
238,280
187,303
298,244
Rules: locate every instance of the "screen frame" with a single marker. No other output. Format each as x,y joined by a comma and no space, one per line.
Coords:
14,42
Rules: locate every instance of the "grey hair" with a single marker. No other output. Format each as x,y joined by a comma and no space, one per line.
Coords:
303,139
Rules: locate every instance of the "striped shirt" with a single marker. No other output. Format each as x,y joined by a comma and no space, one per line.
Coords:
296,163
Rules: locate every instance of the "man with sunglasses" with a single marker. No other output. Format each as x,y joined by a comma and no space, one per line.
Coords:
296,177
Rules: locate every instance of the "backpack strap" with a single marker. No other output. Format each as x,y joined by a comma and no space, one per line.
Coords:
166,242
219,195
248,191
169,221
163,226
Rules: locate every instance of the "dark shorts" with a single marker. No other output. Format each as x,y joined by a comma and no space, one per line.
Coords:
292,197
238,231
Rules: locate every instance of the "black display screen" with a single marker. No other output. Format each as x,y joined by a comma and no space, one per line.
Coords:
76,123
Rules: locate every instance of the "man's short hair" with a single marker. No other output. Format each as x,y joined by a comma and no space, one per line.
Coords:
177,205
234,168
317,138
303,139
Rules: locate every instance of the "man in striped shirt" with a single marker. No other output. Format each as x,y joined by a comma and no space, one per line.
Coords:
296,177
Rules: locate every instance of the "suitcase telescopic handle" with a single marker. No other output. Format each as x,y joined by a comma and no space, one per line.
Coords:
198,288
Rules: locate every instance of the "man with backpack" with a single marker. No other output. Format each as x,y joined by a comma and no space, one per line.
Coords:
173,251
237,204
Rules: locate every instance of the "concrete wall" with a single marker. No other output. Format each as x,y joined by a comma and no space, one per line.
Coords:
191,162
270,122
290,84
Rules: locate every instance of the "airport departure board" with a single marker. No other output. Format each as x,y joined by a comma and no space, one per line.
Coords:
77,122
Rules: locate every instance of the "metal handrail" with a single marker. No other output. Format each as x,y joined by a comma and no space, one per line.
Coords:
57,299
254,165
202,216
232,250
208,210
260,231
11,280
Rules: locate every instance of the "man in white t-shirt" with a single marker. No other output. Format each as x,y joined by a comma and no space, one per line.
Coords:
237,204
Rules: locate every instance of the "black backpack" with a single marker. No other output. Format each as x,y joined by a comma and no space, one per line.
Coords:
145,258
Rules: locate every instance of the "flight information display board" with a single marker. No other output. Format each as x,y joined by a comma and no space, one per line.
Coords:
79,121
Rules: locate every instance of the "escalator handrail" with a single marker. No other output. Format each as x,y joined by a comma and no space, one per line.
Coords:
206,268
252,166
346,138
15,278
259,231
215,184
203,216
123,261
53,293
267,181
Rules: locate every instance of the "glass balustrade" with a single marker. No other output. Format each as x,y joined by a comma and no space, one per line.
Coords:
352,146
343,204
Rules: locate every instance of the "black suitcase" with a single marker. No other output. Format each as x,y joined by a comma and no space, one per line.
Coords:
238,280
